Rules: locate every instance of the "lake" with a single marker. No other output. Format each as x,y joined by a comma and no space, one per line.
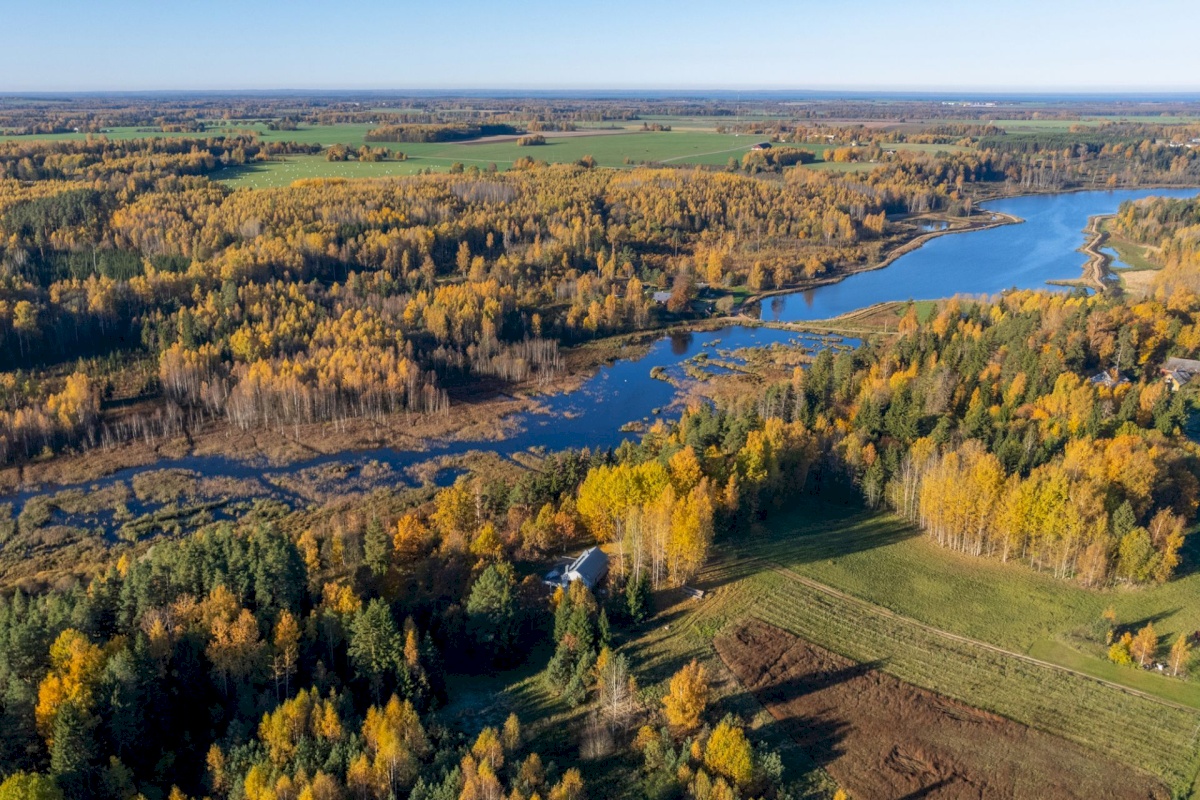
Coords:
1042,248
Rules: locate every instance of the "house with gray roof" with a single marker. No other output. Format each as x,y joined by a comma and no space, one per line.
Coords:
590,566
1179,371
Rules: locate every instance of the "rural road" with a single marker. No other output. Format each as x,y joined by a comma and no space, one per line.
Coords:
711,153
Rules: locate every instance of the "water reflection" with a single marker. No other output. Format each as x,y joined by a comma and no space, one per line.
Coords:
681,343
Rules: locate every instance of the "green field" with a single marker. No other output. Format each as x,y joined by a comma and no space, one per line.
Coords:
892,568
609,150
692,140
885,561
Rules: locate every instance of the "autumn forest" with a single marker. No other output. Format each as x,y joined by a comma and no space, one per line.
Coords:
397,285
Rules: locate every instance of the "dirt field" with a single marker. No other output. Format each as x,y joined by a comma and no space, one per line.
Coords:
881,738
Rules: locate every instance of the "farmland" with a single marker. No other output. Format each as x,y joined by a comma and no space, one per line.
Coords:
910,593
609,150
690,141
883,738
884,561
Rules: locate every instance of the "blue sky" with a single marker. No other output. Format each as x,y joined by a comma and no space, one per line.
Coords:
463,44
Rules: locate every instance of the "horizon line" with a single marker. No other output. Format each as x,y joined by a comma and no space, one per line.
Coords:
663,90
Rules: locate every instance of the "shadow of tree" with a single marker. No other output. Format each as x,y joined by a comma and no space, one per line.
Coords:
1189,557
928,791
794,538
815,682
1133,626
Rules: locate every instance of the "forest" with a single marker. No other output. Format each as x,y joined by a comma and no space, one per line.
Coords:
248,301
334,649
321,644
238,306
1172,229
320,658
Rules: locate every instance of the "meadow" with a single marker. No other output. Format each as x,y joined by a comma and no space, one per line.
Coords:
619,150
871,588
885,561
898,603
1131,255
692,140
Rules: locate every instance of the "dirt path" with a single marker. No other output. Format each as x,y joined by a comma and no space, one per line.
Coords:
886,612
710,153
1096,269
576,134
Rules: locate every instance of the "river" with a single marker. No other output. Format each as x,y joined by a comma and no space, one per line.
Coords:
600,411
1043,248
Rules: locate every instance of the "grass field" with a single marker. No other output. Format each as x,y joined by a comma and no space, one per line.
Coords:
881,560
692,140
1130,255
609,150
897,602
885,561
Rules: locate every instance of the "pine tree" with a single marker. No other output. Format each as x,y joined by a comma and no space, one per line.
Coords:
377,548
637,597
73,748
375,645
491,610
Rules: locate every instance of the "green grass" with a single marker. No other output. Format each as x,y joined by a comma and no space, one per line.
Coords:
692,140
609,150
883,561
120,134
1130,255
1135,730
926,309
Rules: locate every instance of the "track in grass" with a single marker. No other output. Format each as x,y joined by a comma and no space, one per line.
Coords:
1137,730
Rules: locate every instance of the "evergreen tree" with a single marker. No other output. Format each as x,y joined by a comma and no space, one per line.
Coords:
72,749
638,598
377,548
492,613
376,649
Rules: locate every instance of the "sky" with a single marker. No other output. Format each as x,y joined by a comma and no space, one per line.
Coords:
1046,45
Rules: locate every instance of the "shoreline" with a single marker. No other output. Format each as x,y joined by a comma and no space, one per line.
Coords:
900,250
488,415
1096,271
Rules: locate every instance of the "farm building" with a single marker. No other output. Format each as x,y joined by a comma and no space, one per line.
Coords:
1179,371
762,146
662,298
590,567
